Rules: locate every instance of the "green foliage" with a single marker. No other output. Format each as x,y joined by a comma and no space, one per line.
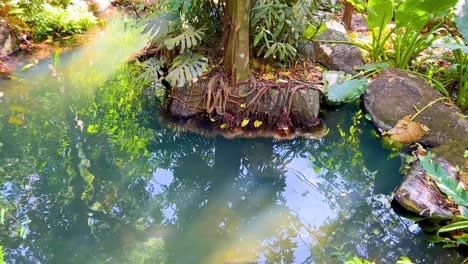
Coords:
46,20
448,186
407,37
151,251
167,33
404,260
187,39
279,26
340,87
114,111
358,261
2,256
186,67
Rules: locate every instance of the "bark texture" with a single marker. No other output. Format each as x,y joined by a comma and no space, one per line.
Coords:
236,57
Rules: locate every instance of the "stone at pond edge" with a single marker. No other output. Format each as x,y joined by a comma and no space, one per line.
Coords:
420,195
187,93
187,102
306,107
9,42
337,57
394,94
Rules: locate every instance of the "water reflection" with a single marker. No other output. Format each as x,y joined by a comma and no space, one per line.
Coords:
88,177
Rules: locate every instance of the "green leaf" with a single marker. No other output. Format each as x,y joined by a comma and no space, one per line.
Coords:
375,66
380,13
416,13
448,186
188,38
454,226
92,129
339,90
184,67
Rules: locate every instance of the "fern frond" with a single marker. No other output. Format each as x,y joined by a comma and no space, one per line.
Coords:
186,67
152,69
159,24
188,38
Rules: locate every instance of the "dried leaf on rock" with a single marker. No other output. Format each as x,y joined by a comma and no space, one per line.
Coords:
407,131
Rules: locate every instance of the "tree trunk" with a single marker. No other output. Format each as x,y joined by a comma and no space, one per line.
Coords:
236,56
348,15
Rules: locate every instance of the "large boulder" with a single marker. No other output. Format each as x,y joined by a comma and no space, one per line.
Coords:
396,93
419,194
9,42
334,56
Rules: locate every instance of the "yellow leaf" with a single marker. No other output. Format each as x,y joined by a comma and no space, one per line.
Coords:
245,122
243,105
257,123
16,120
212,119
269,76
352,35
223,126
27,66
287,73
282,81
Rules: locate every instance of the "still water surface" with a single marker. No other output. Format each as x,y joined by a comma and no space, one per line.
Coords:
87,175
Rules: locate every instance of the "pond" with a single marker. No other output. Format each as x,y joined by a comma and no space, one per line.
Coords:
88,175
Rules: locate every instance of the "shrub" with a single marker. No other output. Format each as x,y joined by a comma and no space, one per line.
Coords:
47,20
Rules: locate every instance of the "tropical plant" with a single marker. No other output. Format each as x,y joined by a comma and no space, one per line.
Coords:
167,32
456,193
404,39
45,19
278,27
456,76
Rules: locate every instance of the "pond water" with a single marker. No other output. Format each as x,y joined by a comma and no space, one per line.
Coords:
87,175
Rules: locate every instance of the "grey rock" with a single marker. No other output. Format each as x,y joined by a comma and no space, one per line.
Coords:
420,195
306,107
395,93
334,56
188,93
9,42
307,49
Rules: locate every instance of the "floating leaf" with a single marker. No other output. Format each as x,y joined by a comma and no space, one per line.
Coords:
15,120
243,105
212,119
368,117
257,123
269,76
407,131
245,122
223,126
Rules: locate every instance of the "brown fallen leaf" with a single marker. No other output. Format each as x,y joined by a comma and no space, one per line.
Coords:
407,131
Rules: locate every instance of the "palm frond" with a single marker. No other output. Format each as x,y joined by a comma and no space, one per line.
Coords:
188,38
186,67
159,24
152,70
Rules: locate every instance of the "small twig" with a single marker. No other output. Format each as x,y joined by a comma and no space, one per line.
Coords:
427,106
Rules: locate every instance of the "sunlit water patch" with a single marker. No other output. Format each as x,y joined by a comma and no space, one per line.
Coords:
88,176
